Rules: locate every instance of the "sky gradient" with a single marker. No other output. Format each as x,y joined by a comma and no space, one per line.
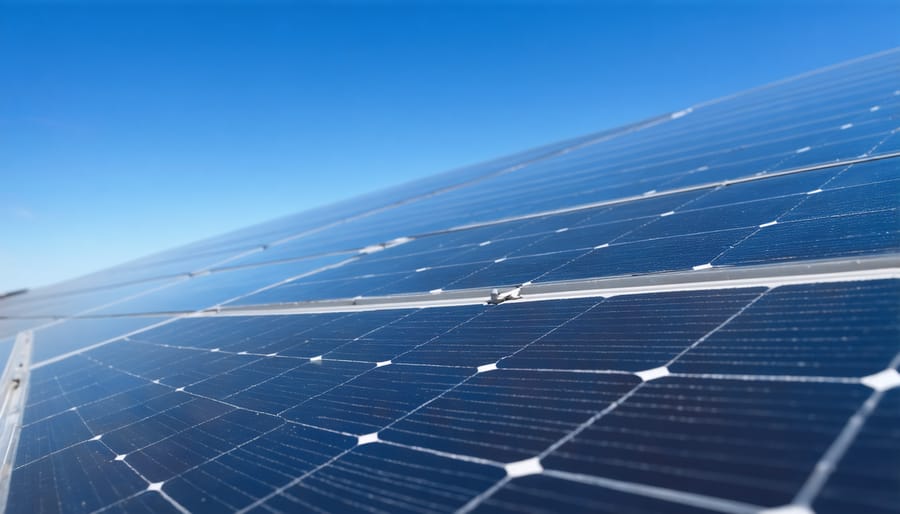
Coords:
125,130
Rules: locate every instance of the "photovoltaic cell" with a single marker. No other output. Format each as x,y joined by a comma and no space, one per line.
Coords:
82,478
256,468
499,332
867,478
850,329
508,416
59,338
744,441
385,478
376,399
632,333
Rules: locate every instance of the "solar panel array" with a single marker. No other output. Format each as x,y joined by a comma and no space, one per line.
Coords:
696,313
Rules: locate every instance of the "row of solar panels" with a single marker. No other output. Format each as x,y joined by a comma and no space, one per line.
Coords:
244,405
853,213
835,115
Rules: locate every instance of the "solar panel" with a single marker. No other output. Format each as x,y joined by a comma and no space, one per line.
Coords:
695,313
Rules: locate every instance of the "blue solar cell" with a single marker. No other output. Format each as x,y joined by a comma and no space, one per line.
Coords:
73,334
376,399
118,409
48,436
754,442
651,256
165,425
383,478
747,214
405,334
632,333
80,478
256,468
868,173
794,185
818,238
209,290
259,334
286,391
849,329
149,502
207,439
308,290
866,479
499,332
302,336
508,416
428,279
543,494
880,196
224,385
58,388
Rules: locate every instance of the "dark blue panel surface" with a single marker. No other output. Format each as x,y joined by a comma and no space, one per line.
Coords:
542,494
305,290
500,332
665,254
747,214
283,392
256,468
711,222
633,333
842,201
302,336
56,389
867,478
376,399
382,478
74,334
51,435
193,446
405,334
794,185
509,415
206,291
748,441
845,329
82,478
867,173
149,502
256,334
819,238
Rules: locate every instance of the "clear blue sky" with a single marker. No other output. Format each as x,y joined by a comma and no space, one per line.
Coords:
127,130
